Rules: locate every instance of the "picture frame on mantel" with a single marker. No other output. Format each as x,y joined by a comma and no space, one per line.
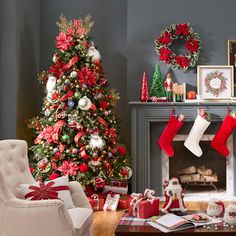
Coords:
215,82
232,55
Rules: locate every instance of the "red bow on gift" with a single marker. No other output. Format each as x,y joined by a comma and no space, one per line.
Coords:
45,191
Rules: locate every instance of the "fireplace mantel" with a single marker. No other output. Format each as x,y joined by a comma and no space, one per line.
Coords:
143,114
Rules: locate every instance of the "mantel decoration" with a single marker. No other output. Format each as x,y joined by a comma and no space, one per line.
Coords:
193,46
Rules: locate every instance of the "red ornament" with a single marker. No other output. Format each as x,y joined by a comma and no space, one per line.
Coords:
53,176
144,95
31,169
191,95
122,150
103,105
83,168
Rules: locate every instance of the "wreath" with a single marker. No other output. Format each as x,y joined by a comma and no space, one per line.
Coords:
193,45
215,83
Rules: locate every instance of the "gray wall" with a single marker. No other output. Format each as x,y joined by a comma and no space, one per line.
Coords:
19,37
213,19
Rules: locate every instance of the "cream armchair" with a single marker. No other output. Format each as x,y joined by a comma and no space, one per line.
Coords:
19,217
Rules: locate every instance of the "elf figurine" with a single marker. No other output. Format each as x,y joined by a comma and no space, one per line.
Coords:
168,84
174,197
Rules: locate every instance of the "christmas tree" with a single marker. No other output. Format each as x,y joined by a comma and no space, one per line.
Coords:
157,88
77,133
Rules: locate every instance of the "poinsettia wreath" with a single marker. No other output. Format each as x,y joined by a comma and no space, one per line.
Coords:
193,45
219,87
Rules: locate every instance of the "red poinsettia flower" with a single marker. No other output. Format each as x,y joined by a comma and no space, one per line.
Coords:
87,76
64,41
69,168
45,191
57,69
182,61
192,45
182,29
165,39
165,54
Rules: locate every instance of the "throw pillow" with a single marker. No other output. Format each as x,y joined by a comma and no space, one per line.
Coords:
54,189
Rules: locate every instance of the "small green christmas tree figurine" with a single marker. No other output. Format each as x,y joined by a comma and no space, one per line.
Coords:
157,89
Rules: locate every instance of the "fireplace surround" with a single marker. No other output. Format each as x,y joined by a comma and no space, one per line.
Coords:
147,123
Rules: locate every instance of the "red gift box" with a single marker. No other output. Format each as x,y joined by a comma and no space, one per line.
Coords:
124,201
119,183
96,202
144,206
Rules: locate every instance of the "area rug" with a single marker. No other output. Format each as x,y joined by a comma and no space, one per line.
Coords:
129,220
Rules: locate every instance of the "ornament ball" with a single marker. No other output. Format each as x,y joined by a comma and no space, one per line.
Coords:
65,137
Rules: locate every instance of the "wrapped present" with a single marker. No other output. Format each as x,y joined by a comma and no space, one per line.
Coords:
144,205
111,202
115,189
124,201
119,183
96,202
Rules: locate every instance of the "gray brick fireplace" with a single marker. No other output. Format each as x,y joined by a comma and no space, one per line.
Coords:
148,122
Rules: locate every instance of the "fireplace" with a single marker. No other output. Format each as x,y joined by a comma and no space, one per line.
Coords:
151,166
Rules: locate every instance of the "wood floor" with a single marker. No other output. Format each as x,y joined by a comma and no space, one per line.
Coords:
104,223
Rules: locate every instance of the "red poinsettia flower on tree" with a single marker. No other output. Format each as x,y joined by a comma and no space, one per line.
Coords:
182,61
165,54
165,39
69,168
64,41
87,76
57,69
192,45
182,29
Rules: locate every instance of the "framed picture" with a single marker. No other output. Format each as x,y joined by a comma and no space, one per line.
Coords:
215,82
232,55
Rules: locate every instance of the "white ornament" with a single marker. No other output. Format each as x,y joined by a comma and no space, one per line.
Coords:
96,163
55,58
215,208
73,74
47,112
129,170
95,54
96,141
50,86
230,214
84,103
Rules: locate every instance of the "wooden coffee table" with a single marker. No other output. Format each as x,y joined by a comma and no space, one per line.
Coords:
125,230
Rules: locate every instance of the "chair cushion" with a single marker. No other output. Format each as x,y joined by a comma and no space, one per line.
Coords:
54,189
81,219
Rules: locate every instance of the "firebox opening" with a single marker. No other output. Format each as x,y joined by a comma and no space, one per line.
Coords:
205,174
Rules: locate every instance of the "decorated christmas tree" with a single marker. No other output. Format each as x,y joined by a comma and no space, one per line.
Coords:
157,89
77,133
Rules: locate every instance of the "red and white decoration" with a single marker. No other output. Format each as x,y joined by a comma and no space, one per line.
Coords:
215,208
144,205
56,189
174,196
111,202
96,202
230,214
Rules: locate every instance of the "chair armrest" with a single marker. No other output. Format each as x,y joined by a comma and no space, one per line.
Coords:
43,217
78,196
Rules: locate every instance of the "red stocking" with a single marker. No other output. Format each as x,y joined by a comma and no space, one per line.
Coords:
222,135
165,141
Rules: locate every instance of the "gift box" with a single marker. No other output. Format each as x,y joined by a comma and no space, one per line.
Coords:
124,201
115,189
119,183
144,205
111,202
96,202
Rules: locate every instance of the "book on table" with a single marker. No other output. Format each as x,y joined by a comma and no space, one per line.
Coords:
170,222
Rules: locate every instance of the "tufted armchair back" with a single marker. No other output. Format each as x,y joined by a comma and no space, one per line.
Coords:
14,168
